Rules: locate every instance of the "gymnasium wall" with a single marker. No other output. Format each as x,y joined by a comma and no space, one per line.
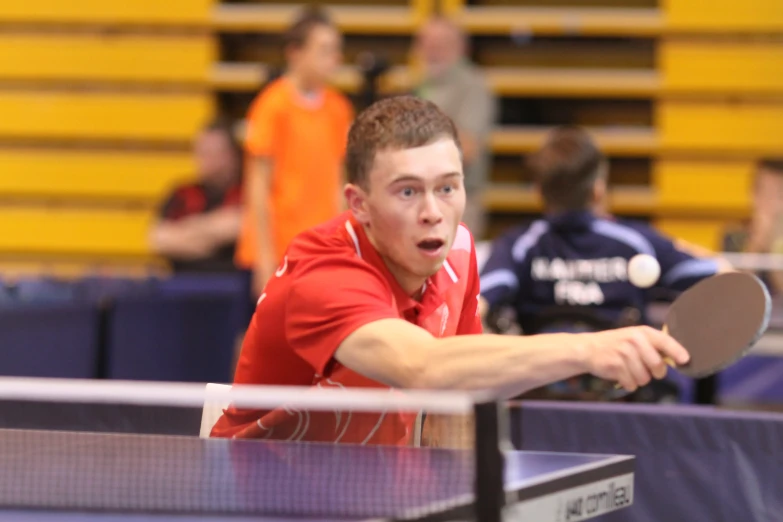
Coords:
100,102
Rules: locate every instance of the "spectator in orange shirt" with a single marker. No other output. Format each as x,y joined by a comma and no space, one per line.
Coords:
296,133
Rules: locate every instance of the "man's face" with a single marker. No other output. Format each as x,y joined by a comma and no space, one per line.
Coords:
439,47
413,206
216,161
321,54
768,191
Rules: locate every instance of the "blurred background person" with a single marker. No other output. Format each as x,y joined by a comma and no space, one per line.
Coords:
459,88
765,233
199,222
295,143
575,256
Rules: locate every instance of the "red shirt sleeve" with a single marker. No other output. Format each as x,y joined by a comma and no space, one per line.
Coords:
329,301
470,320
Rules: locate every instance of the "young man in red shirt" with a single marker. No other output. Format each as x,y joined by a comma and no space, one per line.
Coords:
386,295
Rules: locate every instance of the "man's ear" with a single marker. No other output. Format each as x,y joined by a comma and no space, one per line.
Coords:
356,198
601,190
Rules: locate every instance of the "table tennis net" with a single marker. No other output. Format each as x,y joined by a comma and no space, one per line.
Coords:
352,454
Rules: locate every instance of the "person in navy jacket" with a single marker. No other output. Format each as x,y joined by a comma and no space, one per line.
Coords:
576,255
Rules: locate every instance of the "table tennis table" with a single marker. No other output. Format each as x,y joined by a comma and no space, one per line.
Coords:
88,477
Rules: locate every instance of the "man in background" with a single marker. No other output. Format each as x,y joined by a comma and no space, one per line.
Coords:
199,222
764,233
765,228
295,143
459,89
576,256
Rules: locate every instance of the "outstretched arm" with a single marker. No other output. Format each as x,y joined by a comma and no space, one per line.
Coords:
399,354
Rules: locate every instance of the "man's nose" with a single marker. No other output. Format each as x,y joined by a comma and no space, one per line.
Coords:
431,213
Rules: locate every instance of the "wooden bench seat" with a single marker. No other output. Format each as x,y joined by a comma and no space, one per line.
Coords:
505,81
629,201
555,21
616,141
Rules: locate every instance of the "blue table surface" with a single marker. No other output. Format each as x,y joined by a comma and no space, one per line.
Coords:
165,474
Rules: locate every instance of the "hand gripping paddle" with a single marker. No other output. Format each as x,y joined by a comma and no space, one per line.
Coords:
718,320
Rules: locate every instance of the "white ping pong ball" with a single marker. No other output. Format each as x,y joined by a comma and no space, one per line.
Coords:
643,270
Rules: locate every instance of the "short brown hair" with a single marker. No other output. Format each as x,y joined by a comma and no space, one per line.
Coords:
299,31
566,168
773,164
399,122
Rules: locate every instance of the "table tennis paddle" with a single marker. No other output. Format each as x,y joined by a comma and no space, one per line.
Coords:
718,320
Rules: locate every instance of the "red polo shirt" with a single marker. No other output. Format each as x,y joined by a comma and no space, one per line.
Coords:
331,282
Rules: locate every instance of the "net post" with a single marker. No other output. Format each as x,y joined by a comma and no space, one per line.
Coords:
490,440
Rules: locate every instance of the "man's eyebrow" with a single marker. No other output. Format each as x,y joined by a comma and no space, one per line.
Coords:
413,177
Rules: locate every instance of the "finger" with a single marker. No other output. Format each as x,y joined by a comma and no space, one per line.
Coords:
653,360
636,368
668,346
624,377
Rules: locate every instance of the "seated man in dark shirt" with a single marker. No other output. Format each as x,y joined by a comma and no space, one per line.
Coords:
575,257
199,221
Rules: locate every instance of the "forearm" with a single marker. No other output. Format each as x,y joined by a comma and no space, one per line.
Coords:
402,355
509,365
178,241
221,226
512,364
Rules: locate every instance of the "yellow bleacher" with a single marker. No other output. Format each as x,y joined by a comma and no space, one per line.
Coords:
508,81
67,231
125,58
273,17
722,66
109,15
554,21
90,175
723,16
67,115
745,128
619,141
100,101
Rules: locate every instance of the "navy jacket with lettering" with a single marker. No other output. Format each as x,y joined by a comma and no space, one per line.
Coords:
580,259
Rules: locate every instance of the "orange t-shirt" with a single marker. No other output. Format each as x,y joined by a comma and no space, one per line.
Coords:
305,141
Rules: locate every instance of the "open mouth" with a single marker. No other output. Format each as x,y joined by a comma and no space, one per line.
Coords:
430,245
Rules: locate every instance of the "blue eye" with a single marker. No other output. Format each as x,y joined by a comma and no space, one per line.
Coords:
407,192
